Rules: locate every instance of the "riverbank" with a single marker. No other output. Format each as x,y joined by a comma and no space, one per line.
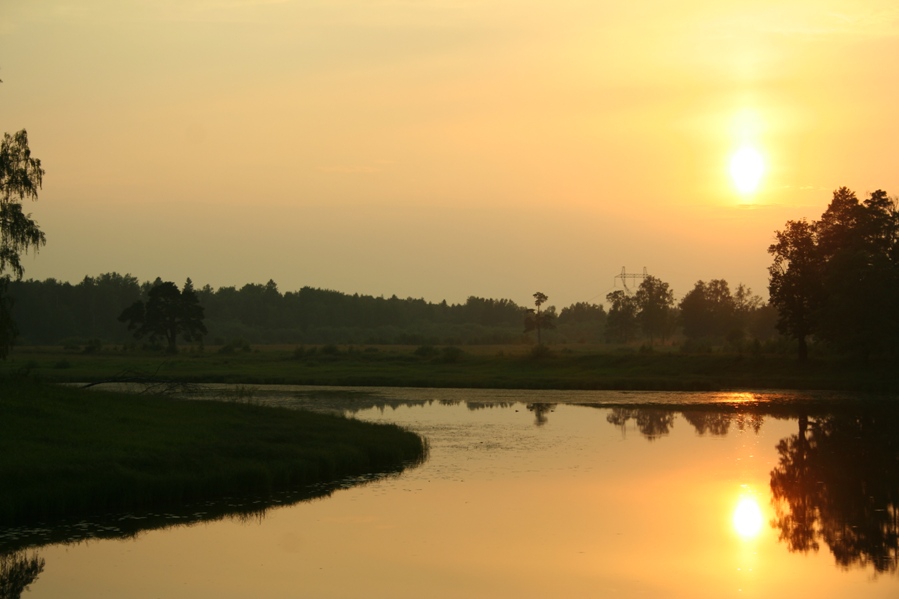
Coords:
68,452
500,367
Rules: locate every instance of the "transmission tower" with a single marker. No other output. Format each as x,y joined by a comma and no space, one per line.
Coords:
632,276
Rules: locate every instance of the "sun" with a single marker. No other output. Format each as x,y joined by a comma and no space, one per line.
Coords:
746,169
747,518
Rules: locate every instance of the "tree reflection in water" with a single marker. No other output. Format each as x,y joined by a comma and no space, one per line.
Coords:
541,411
651,422
18,570
837,479
837,482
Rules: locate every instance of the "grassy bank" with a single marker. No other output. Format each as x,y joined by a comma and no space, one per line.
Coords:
66,452
570,367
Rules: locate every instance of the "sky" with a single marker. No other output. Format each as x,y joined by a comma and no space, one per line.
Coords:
441,149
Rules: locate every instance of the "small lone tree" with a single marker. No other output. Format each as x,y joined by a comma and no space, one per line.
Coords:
168,314
537,320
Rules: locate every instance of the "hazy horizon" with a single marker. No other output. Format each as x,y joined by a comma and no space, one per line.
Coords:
443,148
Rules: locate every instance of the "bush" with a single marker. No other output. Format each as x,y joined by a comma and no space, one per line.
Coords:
94,345
696,346
426,351
330,350
239,344
451,354
71,344
541,351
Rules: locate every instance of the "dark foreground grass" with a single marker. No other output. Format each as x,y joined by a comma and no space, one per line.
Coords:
66,452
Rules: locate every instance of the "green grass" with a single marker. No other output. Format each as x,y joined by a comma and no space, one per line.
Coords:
66,452
569,367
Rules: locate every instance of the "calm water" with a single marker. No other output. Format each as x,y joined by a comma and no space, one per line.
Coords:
550,494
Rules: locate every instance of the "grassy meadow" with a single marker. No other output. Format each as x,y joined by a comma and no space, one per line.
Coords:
68,453
511,366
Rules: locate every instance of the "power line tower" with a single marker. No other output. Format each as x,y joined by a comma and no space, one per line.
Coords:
629,276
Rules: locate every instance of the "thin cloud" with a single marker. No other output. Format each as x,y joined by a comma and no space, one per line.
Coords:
348,169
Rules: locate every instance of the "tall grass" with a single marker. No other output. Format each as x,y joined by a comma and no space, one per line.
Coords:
66,452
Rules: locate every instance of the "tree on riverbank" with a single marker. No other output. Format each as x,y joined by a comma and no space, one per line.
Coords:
838,278
167,314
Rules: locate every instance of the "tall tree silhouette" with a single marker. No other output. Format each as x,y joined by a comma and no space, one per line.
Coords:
21,176
795,282
167,314
536,320
838,278
858,244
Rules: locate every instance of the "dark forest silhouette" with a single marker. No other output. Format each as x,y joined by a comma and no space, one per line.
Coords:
85,315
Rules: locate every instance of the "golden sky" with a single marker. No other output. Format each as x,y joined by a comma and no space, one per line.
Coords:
443,148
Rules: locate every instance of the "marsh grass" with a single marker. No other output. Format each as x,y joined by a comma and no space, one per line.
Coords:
66,452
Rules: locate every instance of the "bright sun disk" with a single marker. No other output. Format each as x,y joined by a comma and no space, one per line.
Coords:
746,168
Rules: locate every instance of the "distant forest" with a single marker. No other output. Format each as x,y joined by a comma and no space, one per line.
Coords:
86,315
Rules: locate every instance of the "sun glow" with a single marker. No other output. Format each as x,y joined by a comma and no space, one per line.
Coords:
746,169
747,518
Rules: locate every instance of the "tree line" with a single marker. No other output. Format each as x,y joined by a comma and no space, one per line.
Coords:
87,314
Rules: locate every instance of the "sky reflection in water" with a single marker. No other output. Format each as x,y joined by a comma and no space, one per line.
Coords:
532,497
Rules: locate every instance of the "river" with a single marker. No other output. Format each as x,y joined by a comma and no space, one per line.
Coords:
543,494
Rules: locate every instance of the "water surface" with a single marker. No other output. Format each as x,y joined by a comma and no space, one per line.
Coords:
551,494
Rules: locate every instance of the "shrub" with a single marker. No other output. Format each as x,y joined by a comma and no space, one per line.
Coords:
451,354
540,351
426,351
239,344
71,344
94,345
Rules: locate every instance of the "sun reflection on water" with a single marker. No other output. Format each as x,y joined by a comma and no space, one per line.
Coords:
747,518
